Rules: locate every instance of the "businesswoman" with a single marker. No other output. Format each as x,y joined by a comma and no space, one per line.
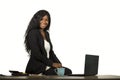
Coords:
37,42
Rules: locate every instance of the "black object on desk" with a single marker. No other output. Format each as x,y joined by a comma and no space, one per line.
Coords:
17,73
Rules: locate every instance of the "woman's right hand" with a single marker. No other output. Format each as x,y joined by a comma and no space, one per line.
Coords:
57,65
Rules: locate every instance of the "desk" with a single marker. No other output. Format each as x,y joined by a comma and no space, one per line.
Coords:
99,77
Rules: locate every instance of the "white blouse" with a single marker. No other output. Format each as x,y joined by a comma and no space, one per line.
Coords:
47,48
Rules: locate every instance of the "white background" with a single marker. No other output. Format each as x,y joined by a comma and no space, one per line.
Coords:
78,27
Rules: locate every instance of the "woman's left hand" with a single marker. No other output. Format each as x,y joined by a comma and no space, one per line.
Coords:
57,65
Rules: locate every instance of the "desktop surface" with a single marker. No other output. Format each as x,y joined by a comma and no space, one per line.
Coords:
97,77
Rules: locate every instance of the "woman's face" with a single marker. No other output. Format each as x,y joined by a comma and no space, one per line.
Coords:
44,22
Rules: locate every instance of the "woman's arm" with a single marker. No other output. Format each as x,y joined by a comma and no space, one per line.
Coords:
54,57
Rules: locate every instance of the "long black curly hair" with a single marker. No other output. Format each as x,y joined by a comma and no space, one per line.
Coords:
34,24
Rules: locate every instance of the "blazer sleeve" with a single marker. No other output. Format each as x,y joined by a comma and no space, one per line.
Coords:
35,49
54,57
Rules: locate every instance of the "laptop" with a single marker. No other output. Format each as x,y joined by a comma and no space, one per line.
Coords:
91,66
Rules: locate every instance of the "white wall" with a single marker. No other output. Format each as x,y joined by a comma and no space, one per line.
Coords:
78,27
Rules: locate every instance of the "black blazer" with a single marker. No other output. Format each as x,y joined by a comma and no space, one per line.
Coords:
38,58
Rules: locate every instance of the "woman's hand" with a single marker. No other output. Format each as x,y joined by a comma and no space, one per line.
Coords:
57,65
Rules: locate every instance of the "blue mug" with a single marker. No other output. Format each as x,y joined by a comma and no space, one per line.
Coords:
60,71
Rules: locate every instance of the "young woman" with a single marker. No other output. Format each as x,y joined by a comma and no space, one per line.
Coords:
37,42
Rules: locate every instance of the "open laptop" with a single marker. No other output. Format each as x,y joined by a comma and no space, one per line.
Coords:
91,66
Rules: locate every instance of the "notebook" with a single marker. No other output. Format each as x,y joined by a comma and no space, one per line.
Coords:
91,66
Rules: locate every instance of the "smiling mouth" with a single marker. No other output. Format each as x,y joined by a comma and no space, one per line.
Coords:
45,24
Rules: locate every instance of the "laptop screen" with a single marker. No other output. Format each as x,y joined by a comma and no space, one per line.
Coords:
91,64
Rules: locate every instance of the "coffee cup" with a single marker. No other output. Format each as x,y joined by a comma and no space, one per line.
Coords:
60,71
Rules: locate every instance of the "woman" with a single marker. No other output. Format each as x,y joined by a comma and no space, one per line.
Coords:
38,45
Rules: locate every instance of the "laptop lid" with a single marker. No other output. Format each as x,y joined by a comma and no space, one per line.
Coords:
91,64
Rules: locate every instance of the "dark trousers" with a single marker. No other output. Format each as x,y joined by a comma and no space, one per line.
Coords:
51,71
